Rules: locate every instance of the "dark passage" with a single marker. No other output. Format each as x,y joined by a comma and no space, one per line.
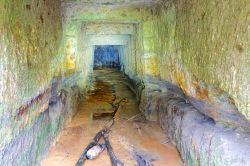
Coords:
106,56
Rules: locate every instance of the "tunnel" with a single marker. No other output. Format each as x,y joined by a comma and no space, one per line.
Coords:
107,56
125,82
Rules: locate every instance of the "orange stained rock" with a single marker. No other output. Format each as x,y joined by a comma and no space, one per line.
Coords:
201,93
130,133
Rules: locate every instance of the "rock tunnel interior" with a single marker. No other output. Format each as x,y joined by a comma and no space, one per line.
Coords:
174,74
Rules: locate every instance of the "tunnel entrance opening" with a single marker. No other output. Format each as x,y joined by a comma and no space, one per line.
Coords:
107,56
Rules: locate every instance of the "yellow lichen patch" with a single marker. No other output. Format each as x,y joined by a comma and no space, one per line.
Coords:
69,60
58,71
151,65
178,77
181,80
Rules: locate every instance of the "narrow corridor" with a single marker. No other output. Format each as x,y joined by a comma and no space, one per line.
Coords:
131,134
178,91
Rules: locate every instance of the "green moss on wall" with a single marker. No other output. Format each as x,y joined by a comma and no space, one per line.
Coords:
31,37
30,41
205,41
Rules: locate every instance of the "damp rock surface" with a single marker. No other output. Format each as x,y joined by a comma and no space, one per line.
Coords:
30,37
30,144
133,139
202,46
198,50
200,139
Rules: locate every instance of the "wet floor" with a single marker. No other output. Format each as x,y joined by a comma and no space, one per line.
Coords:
132,137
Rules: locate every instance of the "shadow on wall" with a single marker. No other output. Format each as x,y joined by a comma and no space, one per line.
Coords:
107,56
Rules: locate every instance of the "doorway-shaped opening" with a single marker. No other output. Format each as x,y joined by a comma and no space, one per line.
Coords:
107,56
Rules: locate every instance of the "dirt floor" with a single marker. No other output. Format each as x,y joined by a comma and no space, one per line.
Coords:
132,137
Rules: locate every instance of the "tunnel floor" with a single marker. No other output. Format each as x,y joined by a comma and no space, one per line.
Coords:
132,137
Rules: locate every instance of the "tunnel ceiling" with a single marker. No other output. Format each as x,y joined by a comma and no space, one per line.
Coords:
112,2
105,9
